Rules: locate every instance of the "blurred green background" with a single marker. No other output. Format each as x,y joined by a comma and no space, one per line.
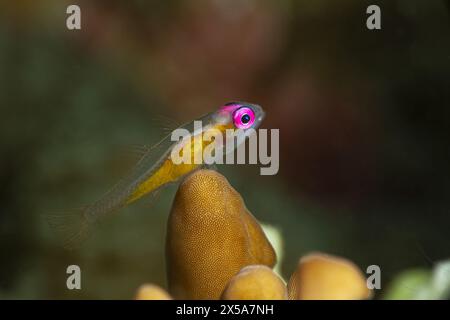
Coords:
364,124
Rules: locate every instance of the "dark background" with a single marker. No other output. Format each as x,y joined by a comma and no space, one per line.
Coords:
363,116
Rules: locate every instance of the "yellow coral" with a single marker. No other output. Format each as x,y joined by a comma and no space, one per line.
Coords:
255,282
325,277
152,292
210,237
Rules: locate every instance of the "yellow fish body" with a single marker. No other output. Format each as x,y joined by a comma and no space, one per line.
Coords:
156,168
169,172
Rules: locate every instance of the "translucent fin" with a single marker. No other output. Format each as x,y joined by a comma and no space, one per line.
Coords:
148,157
166,124
139,150
71,228
133,153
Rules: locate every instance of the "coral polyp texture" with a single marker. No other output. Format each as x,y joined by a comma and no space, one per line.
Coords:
211,236
324,277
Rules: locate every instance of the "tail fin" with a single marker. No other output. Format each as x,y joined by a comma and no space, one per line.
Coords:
72,228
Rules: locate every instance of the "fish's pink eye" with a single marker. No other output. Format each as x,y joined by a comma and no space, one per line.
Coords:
243,118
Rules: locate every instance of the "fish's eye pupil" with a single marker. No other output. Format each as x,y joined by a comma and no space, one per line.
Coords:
245,118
